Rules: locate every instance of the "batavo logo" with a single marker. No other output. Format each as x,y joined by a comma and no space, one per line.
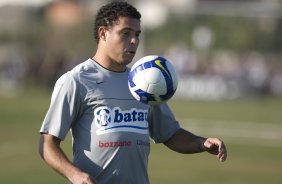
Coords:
116,120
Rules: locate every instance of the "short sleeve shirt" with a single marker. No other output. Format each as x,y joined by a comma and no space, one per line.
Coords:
110,129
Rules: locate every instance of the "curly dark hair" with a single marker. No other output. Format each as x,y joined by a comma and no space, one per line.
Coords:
109,14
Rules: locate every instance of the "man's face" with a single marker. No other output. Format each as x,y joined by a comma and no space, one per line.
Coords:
122,40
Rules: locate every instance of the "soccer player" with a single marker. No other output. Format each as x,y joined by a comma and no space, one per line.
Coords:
110,129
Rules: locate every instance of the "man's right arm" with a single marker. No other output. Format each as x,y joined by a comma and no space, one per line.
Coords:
53,155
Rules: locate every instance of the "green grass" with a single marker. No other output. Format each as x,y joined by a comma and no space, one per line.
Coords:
260,110
260,163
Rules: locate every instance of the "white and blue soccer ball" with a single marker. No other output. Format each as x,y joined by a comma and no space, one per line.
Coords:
152,80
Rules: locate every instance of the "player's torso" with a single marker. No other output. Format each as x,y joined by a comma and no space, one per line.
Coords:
111,136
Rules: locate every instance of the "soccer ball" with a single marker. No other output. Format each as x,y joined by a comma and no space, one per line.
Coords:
152,80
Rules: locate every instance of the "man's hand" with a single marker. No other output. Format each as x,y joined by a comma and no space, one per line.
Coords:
51,152
82,178
216,147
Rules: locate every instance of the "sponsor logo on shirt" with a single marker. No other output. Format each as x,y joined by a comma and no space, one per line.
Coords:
116,120
114,144
142,143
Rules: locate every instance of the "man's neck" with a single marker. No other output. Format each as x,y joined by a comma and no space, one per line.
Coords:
108,63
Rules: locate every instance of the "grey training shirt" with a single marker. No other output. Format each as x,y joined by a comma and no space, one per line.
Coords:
110,129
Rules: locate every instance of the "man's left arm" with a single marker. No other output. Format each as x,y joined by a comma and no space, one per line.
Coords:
185,142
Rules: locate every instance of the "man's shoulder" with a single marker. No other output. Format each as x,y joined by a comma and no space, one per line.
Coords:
85,74
74,74
82,67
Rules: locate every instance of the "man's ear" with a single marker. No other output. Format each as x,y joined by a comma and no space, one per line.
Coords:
102,33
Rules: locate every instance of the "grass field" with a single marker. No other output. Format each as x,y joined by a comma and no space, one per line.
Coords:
251,128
